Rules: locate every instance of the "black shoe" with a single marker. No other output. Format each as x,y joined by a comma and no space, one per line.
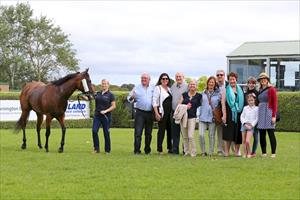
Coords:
204,154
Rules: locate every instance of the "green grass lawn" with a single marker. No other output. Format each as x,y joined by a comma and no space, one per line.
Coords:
79,174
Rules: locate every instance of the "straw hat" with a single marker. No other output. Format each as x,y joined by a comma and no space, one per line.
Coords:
263,75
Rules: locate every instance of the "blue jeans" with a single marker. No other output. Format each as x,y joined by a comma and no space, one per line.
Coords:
105,121
255,141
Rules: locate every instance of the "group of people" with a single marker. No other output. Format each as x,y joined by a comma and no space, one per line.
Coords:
176,107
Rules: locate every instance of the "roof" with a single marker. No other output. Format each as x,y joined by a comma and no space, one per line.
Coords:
268,48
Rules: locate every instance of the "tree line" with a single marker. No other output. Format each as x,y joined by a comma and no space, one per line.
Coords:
35,49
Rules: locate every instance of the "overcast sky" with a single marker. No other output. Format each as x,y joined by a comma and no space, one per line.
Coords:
119,40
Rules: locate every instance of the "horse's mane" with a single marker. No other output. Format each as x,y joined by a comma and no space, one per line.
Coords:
64,79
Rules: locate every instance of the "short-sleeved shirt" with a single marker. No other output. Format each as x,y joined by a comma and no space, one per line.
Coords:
103,101
195,101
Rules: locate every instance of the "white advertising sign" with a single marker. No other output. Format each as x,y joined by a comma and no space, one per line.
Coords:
10,110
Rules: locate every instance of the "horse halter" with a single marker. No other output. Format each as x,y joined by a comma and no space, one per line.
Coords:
85,86
86,92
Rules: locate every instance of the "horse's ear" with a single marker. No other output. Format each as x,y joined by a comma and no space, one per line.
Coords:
86,71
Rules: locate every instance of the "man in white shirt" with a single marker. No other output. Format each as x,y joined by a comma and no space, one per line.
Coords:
142,96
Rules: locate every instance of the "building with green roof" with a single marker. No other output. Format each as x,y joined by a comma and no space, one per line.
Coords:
280,59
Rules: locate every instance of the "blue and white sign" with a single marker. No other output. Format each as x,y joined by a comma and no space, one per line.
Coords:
10,110
75,110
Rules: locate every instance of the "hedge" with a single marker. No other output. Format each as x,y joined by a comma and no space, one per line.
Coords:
121,115
289,110
288,105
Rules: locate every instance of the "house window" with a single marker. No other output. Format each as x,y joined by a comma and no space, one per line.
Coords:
284,73
246,68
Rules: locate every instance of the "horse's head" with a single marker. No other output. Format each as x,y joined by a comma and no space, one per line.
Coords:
85,85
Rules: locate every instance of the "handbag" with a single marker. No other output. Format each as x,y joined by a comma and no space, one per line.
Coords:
217,112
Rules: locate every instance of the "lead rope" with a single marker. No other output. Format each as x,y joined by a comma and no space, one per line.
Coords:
78,99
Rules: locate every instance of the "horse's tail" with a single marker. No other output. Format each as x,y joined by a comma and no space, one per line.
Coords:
21,123
18,125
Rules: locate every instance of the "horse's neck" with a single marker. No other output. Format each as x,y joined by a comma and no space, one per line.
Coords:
67,88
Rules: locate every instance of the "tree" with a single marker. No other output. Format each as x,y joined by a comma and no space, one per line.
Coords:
201,83
129,86
32,48
12,42
188,79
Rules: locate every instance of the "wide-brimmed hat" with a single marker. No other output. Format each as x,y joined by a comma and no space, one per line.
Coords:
263,75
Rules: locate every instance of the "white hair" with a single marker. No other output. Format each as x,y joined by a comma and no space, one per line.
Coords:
146,74
220,70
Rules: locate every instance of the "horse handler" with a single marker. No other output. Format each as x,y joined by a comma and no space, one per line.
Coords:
105,103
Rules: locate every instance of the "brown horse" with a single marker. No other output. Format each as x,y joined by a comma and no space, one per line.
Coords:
51,100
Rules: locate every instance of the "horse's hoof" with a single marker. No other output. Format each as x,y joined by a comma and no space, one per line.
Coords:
47,150
40,146
23,146
60,150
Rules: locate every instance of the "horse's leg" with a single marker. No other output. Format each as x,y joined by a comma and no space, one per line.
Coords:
38,128
61,120
48,122
24,146
22,123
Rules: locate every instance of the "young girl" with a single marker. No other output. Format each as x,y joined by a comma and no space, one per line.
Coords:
249,119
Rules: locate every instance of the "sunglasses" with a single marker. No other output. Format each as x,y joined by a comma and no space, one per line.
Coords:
220,75
164,79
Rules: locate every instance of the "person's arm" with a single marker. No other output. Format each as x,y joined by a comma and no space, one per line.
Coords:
273,97
272,103
223,103
243,115
200,100
155,98
155,103
84,97
111,108
256,117
131,96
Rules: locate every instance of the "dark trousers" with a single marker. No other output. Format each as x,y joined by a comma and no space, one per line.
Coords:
263,142
143,119
255,140
175,136
164,125
105,121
